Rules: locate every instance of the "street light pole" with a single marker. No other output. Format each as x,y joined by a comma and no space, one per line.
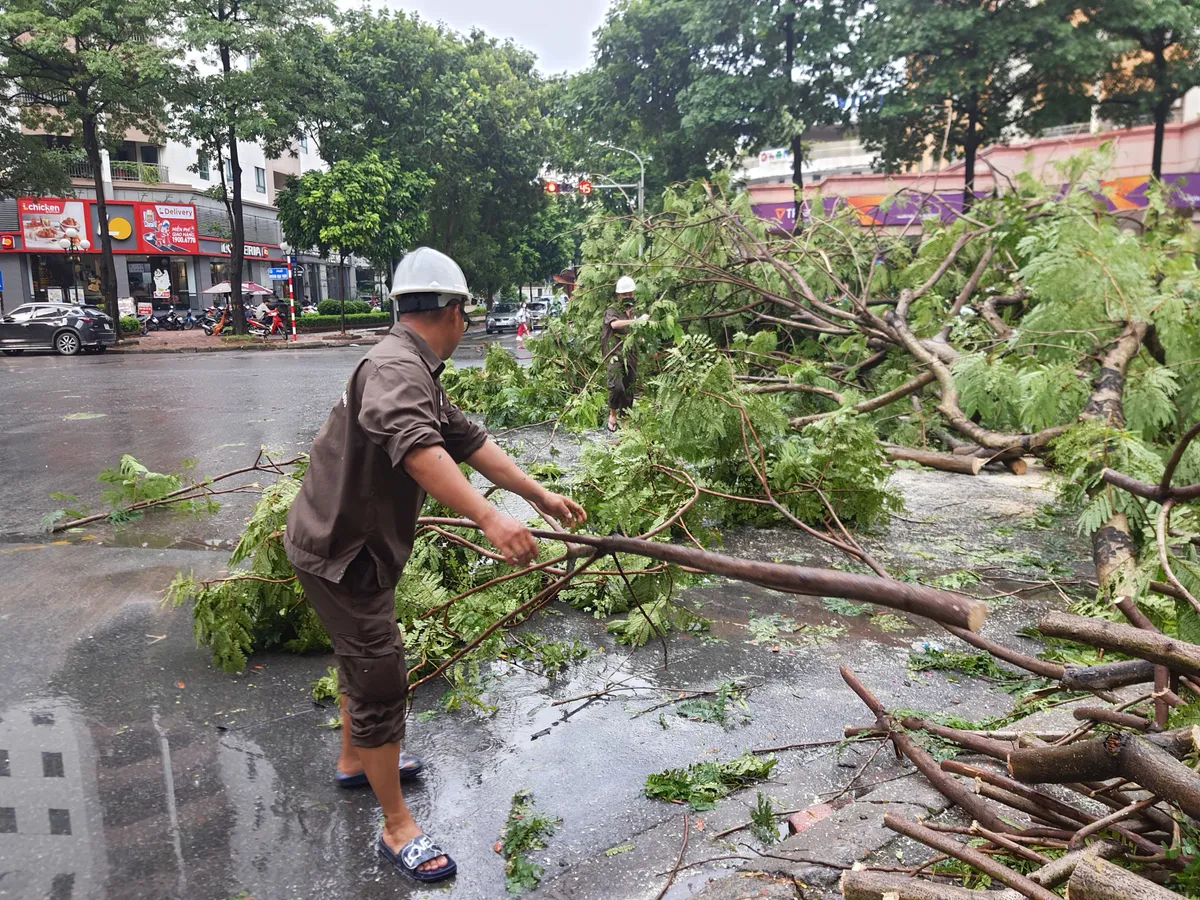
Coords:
641,195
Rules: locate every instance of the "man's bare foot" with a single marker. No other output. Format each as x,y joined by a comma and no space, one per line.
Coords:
349,764
397,836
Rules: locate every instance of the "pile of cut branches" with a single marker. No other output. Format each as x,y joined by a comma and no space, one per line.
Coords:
1119,821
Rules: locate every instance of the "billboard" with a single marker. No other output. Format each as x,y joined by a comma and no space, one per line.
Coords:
45,220
166,228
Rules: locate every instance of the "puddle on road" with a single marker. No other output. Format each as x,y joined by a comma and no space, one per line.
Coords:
182,781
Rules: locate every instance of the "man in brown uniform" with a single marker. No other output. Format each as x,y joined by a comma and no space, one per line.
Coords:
393,438
620,365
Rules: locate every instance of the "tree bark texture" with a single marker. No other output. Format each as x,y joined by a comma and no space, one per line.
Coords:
946,462
108,272
1107,676
1176,655
888,886
1098,879
941,606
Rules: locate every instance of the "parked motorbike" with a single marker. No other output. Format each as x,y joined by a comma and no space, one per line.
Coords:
274,325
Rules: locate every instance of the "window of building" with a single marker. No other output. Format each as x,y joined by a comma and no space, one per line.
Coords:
8,820
60,821
161,280
4,772
260,179
228,170
52,765
304,143
202,166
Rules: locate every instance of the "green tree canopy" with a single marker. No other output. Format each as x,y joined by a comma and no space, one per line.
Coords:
467,111
254,77
29,167
1153,60
951,76
88,69
368,207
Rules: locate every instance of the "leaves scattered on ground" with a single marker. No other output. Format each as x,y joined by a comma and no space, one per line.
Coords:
524,831
701,785
326,687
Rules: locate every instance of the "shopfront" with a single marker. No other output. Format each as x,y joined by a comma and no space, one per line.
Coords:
160,256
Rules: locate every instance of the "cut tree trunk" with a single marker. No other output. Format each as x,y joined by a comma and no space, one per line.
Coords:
1176,655
1098,879
945,462
1107,676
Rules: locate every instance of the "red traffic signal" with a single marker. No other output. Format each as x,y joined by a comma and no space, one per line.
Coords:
585,187
551,187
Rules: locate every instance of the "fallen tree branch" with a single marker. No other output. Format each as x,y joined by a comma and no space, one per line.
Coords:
1098,879
1176,655
949,787
970,856
679,859
945,462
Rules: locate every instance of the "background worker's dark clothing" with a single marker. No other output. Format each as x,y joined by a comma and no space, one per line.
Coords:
350,529
620,368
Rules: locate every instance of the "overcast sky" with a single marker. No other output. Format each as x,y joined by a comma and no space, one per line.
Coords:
560,33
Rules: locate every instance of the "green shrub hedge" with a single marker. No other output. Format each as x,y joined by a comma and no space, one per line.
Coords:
130,325
334,307
323,323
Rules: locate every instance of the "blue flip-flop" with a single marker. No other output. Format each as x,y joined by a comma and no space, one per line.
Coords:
419,850
410,767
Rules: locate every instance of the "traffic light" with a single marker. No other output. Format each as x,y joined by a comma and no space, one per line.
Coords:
585,187
551,187
566,187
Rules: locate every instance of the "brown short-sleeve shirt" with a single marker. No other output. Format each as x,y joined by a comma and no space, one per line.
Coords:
356,493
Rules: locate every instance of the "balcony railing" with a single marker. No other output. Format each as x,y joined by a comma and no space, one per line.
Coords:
145,173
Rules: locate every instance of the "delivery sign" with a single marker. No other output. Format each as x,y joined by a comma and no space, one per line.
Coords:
167,228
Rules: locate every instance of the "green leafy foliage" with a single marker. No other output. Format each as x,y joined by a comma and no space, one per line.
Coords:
762,820
701,785
326,687
524,831
730,698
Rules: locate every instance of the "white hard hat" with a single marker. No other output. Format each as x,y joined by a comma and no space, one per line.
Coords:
626,285
433,275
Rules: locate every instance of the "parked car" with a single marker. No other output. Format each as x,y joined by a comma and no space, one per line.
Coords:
538,312
63,327
502,315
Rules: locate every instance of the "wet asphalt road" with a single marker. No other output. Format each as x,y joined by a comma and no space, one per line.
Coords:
130,768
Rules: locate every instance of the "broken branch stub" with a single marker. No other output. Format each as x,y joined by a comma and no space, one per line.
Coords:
1106,676
945,462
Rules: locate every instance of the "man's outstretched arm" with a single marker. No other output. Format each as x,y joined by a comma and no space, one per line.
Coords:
434,469
496,466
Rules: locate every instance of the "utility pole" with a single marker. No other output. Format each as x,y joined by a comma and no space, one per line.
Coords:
641,194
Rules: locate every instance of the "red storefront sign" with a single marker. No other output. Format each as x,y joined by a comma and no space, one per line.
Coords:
166,228
47,220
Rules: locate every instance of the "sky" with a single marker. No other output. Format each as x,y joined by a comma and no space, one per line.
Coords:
559,32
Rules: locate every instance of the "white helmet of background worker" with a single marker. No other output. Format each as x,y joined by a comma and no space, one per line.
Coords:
427,279
626,285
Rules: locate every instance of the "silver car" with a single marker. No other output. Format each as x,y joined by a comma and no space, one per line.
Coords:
502,315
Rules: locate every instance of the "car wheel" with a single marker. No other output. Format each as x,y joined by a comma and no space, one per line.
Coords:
67,343
13,352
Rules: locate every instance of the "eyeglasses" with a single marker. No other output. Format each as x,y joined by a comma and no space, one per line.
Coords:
462,308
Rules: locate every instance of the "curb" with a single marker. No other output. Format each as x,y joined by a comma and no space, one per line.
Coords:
231,348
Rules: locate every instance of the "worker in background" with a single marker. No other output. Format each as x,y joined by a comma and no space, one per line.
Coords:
620,361
393,438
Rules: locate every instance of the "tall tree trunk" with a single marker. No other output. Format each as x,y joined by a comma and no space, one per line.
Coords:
108,272
789,62
1162,109
970,148
237,224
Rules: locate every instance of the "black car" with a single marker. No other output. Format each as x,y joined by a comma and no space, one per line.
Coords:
62,327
